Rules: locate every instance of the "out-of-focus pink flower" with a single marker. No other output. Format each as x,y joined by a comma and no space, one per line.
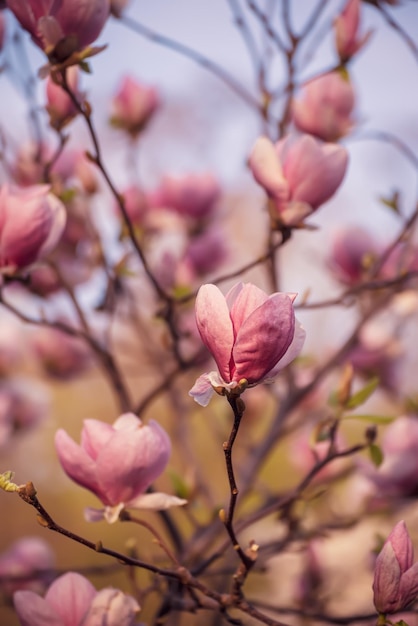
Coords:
192,195
136,204
29,164
352,250
251,336
23,405
133,106
377,353
325,109
395,584
72,600
346,27
74,24
2,29
11,346
118,463
306,453
31,223
402,259
397,476
61,355
206,251
59,105
298,173
27,564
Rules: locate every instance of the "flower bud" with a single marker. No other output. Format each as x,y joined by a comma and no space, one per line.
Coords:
395,584
133,106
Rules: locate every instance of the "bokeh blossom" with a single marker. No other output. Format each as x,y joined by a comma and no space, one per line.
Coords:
72,600
298,174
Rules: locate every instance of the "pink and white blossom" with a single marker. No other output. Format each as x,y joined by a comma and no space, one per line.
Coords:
118,463
32,221
71,600
251,336
298,174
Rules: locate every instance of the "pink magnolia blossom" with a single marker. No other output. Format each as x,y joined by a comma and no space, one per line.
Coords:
251,336
74,24
346,27
136,204
31,223
133,106
118,463
191,195
395,584
59,105
72,600
298,173
27,564
352,250
325,109
60,355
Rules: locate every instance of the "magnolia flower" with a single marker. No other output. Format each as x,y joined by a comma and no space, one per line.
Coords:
31,223
352,250
251,336
395,584
74,24
325,109
60,107
346,27
118,463
61,355
298,174
72,600
191,195
27,564
133,106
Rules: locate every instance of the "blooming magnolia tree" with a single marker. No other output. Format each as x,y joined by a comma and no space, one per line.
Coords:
241,452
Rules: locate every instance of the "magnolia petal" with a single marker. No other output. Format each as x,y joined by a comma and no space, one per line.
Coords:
76,462
266,168
70,596
292,352
155,501
202,391
215,326
33,610
94,515
264,338
249,298
111,607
